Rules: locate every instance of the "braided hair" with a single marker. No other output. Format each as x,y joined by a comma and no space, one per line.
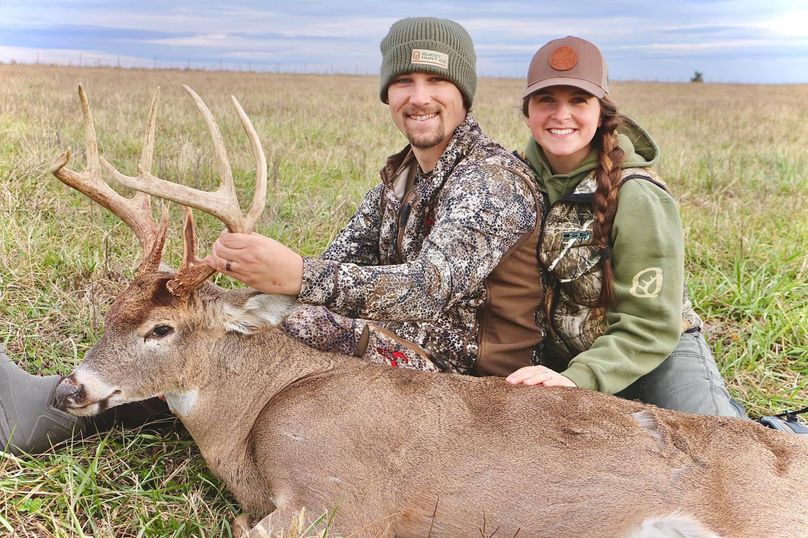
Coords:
604,205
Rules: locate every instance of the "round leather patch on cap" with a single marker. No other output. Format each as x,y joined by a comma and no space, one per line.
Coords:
563,58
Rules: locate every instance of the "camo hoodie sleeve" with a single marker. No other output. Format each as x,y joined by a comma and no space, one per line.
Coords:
358,242
480,213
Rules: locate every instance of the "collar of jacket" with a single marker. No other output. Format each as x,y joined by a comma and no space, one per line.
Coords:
467,131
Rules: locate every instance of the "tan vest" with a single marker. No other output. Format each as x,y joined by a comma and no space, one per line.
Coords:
508,327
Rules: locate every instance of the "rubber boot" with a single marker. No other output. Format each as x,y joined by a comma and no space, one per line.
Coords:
28,421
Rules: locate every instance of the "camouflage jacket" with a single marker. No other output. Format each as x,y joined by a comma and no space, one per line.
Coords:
447,269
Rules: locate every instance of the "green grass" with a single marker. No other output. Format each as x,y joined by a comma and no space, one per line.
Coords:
733,155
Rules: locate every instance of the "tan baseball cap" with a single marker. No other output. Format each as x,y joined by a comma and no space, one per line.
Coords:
569,61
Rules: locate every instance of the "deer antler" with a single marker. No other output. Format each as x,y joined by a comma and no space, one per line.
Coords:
135,211
221,203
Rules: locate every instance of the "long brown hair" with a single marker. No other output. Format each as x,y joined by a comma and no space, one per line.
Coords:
604,205
607,176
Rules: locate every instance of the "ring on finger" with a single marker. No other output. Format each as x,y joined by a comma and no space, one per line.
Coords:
227,266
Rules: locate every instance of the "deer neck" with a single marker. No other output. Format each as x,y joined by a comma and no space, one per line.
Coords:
242,376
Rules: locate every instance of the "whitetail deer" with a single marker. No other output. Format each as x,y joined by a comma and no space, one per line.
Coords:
400,452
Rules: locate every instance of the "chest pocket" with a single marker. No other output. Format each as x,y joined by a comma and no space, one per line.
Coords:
568,253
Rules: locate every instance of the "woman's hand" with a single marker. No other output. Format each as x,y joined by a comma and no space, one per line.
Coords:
259,262
539,375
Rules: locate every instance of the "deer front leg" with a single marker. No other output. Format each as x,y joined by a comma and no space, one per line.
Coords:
278,524
240,527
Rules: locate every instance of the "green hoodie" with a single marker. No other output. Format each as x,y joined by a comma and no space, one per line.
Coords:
647,233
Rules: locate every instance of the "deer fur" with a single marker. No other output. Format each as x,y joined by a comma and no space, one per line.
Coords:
405,453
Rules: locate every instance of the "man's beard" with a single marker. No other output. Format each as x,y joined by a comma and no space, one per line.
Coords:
427,140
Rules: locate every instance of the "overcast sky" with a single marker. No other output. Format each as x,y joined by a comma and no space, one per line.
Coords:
727,40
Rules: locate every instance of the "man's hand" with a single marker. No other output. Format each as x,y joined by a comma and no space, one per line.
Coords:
539,375
259,262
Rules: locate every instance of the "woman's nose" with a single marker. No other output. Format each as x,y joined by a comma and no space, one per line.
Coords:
562,112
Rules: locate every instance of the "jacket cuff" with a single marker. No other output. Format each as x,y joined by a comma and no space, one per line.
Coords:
581,376
319,285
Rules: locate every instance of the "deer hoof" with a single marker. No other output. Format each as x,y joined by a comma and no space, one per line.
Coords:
240,528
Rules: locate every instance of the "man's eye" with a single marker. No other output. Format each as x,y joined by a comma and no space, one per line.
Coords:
160,331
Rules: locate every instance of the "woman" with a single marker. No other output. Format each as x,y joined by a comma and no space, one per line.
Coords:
617,315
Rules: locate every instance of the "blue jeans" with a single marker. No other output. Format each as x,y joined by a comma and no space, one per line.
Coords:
688,380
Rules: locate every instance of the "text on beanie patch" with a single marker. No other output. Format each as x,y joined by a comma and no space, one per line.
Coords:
430,57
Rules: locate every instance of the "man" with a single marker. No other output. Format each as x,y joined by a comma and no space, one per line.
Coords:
441,255
437,270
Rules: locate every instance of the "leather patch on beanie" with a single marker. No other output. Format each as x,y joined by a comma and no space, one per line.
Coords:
430,57
563,58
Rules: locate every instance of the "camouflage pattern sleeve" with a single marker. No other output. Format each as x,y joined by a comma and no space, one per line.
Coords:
358,242
480,213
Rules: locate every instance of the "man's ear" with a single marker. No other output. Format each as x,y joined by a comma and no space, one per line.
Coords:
258,312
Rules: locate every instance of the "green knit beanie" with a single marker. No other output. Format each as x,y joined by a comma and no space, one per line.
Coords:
428,45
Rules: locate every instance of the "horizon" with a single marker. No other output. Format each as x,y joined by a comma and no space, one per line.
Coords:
236,71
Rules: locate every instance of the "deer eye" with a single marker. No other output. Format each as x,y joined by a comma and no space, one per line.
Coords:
160,331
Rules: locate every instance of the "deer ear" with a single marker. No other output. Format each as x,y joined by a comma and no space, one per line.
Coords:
256,313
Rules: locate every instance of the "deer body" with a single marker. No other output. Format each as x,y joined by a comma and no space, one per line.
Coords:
406,453
400,452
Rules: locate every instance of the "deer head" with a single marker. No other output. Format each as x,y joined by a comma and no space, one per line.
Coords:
163,318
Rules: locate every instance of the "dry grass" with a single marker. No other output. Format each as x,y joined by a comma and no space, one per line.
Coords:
734,156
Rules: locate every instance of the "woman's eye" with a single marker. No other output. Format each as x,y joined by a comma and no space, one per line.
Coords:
160,331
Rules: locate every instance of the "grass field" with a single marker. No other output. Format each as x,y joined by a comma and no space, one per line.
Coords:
733,155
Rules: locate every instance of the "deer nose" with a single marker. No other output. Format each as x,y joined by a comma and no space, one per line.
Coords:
67,391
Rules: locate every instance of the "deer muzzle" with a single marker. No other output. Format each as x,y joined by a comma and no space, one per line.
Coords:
78,398
69,393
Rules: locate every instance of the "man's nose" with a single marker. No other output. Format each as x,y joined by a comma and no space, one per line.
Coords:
420,95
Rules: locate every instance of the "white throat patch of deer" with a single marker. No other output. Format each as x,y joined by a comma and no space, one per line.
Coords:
401,452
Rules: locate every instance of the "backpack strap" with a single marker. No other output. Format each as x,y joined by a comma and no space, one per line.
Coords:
646,177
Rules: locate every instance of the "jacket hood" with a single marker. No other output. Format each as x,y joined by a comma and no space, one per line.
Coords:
641,150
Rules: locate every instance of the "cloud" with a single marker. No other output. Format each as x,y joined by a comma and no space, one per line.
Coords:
728,35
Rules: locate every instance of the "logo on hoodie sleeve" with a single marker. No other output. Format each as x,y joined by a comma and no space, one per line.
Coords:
647,284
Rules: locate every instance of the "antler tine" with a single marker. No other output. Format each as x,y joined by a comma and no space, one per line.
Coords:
135,212
225,172
221,203
90,139
260,197
147,153
193,272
